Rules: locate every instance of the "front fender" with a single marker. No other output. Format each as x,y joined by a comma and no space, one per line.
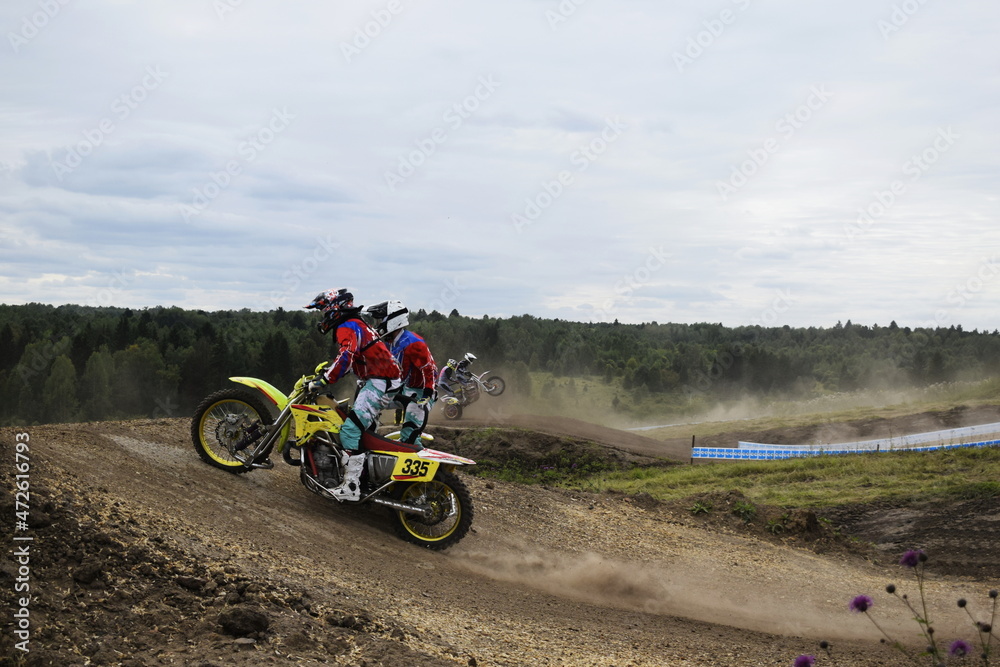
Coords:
273,394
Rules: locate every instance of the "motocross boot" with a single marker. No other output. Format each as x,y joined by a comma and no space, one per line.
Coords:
350,488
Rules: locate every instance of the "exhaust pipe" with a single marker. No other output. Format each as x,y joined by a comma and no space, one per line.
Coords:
402,507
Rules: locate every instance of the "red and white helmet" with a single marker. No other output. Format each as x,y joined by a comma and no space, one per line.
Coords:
336,306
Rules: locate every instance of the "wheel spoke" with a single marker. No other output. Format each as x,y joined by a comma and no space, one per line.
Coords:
445,512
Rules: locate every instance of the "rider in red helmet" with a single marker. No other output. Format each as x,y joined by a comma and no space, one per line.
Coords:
362,353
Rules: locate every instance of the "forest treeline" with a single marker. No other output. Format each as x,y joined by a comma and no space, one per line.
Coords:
73,363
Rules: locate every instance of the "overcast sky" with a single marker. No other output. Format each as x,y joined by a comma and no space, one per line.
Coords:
734,161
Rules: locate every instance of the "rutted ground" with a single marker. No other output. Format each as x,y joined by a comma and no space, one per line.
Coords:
146,556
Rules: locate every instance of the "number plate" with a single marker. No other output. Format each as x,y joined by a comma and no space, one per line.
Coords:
414,468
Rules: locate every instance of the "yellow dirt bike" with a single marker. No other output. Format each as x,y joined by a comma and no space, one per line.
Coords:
236,430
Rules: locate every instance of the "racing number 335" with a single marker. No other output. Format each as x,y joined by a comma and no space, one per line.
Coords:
236,430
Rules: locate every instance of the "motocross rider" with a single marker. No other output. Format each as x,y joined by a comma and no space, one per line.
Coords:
362,353
416,397
454,375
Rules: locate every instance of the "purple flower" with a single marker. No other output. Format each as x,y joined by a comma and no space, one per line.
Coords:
861,604
805,661
912,558
959,648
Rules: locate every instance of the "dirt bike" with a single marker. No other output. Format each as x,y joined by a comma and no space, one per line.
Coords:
471,386
235,430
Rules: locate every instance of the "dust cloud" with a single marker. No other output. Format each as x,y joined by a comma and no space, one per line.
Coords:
660,589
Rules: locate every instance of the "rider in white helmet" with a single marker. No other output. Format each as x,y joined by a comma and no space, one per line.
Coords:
416,397
454,375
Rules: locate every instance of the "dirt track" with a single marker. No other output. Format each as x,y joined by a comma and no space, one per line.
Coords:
545,578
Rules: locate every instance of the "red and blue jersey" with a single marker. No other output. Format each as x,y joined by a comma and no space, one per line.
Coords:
415,360
362,353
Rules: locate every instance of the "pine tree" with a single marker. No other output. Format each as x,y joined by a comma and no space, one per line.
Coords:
59,392
95,386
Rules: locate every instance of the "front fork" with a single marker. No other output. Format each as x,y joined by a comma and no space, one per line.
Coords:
274,433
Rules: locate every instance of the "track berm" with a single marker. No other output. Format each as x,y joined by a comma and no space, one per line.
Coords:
144,555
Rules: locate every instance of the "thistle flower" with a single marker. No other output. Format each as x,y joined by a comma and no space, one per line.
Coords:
805,661
960,648
913,557
861,604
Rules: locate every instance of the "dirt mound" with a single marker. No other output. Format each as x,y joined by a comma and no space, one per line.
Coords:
961,535
575,428
143,555
531,454
110,586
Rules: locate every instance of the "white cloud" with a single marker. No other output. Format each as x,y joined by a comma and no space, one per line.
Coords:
392,87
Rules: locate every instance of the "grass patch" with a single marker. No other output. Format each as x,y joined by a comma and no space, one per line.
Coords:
958,474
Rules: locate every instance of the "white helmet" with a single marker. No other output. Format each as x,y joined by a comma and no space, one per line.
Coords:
389,316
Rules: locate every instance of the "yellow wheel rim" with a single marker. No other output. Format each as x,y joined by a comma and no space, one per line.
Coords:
217,437
447,511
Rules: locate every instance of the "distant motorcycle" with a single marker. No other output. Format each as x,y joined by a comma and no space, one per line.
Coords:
233,429
471,386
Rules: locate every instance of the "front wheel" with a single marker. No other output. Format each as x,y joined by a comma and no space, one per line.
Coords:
452,411
494,385
449,508
227,424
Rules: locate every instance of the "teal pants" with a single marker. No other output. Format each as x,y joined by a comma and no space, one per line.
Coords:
372,399
414,414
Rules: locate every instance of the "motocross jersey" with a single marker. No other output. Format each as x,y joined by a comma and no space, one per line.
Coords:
415,360
363,353
447,376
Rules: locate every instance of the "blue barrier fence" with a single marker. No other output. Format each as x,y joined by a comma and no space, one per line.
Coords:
752,451
735,453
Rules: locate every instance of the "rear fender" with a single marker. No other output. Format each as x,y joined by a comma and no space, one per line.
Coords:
421,466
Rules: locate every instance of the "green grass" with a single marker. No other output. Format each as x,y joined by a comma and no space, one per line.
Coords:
821,481
814,482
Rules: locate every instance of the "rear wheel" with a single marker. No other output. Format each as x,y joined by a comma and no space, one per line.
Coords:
226,428
449,508
452,411
494,385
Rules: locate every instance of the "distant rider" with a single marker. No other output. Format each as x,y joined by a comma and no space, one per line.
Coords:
455,375
416,398
362,353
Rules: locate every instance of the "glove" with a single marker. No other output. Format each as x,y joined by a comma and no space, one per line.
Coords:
318,385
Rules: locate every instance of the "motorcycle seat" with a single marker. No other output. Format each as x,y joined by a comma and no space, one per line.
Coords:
374,442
